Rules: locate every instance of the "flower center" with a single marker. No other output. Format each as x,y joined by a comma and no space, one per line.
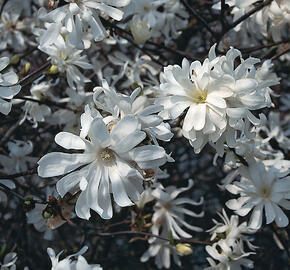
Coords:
200,96
107,155
147,8
265,192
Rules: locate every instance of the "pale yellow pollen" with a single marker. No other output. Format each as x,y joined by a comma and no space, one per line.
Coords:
107,155
147,8
200,96
265,192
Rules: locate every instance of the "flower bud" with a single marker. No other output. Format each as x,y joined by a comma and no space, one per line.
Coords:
140,30
184,249
52,70
15,59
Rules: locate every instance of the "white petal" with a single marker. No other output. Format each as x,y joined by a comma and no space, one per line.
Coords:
82,209
118,189
256,217
69,141
270,213
281,219
99,133
55,163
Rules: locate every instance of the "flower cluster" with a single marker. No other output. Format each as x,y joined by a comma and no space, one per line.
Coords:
219,97
270,21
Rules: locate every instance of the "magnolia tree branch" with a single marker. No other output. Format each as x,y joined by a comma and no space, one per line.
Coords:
196,15
182,240
244,17
260,47
13,176
10,191
34,75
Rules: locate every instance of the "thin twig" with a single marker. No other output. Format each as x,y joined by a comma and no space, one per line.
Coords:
222,15
157,45
280,54
247,15
7,189
195,14
34,75
184,240
257,48
13,176
47,102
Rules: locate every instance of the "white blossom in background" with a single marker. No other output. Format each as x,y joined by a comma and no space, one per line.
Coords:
167,22
270,21
219,98
169,212
18,158
120,105
67,59
108,160
279,13
9,261
161,250
229,257
274,130
230,230
140,30
12,28
129,71
79,262
261,188
33,111
8,87
77,17
167,220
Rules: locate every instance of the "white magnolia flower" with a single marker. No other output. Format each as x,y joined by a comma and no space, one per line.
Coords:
191,86
279,13
79,16
110,162
12,28
261,188
218,95
69,264
67,59
274,130
129,71
140,30
168,22
231,230
120,105
161,250
269,21
9,261
34,111
169,212
8,87
230,257
18,156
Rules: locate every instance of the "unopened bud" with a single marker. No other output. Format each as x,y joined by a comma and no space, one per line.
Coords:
29,203
15,59
184,249
53,70
140,30
25,69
